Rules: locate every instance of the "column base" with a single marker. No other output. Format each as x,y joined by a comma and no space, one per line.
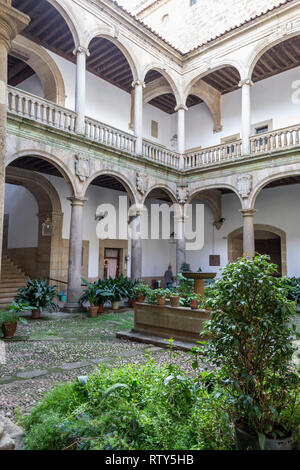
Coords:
72,308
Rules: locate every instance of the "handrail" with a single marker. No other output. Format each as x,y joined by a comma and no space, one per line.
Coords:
287,137
212,155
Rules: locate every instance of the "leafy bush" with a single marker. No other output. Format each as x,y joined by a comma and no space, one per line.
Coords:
131,408
13,312
39,294
293,285
252,341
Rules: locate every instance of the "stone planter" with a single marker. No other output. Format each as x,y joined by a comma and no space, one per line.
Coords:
93,311
9,329
246,441
164,321
35,313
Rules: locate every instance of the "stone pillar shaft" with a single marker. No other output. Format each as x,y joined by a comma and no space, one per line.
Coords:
136,249
180,246
80,93
138,115
11,23
75,253
181,132
248,232
246,115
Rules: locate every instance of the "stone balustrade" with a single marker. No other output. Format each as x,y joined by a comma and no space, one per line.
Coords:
276,140
213,155
29,106
160,154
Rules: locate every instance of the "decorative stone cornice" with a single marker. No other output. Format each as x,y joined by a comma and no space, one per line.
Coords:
82,166
138,83
181,106
77,200
81,50
12,22
182,193
248,212
246,81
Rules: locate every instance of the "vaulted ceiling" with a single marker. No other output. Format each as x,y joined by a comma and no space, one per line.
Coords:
49,29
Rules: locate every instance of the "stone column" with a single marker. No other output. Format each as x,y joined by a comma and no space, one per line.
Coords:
11,23
246,115
80,93
181,109
75,254
138,114
248,232
136,247
180,244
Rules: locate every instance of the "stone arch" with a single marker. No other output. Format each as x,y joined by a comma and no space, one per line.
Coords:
217,65
54,160
269,179
238,233
214,186
46,259
44,67
165,189
71,20
156,88
264,45
131,191
159,68
109,34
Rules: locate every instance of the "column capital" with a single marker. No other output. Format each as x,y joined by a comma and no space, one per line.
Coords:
181,106
81,50
12,22
136,83
248,212
76,200
246,81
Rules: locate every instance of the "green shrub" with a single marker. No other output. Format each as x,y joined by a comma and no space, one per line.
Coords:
39,294
131,408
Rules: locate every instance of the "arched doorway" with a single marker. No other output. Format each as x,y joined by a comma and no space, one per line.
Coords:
108,257
268,241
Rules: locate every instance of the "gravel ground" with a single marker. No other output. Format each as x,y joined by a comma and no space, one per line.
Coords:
57,349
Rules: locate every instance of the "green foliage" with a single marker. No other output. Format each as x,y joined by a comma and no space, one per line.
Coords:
12,315
293,285
141,289
163,293
252,342
185,268
131,408
185,286
96,293
39,294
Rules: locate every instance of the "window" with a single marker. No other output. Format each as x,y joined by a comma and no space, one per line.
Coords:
154,129
261,130
165,19
193,2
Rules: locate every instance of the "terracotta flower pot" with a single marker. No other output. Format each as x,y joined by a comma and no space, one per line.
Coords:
160,300
132,303
174,300
35,313
194,304
100,308
140,298
116,305
93,309
9,329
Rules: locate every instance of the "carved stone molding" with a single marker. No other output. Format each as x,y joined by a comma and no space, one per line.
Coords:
82,167
142,183
182,193
244,185
247,81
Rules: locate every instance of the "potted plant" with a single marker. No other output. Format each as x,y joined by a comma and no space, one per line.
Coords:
93,304
174,298
39,294
99,290
162,295
195,300
251,343
119,291
141,291
9,318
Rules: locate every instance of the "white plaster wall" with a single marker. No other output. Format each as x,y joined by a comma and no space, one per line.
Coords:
278,207
22,208
32,85
270,99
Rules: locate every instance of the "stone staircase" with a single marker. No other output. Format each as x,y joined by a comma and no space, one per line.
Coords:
12,277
